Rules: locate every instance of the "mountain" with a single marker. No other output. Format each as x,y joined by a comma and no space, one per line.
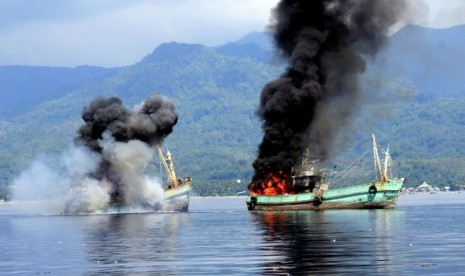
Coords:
431,59
262,40
256,45
419,107
22,87
215,96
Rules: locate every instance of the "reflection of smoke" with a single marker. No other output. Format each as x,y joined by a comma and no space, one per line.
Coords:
300,241
133,241
323,41
327,243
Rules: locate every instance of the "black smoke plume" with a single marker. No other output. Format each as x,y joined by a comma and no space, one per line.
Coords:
150,122
325,43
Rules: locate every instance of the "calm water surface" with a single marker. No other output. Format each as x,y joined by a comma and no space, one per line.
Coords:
424,235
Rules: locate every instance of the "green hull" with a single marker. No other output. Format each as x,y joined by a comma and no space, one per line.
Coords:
362,196
174,200
177,199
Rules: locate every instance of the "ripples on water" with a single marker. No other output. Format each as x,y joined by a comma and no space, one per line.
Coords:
219,236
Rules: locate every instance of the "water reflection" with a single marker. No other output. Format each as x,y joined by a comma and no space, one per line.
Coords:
131,243
329,242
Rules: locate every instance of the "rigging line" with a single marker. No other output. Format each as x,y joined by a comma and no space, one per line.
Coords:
345,171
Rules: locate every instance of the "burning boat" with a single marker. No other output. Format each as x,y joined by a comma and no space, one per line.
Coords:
114,146
314,102
309,189
175,197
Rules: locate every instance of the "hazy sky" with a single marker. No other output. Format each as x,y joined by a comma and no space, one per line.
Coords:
121,32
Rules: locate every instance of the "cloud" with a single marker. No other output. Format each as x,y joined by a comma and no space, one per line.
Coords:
443,14
115,33
120,32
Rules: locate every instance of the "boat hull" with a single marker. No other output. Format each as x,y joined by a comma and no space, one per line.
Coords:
363,196
177,199
174,200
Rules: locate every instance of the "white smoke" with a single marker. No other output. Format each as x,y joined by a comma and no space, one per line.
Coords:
49,179
89,195
80,161
38,182
129,161
67,178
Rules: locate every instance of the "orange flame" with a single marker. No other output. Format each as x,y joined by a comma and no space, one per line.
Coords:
277,183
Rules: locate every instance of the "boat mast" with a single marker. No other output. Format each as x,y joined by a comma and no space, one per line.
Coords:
170,172
386,164
171,165
376,159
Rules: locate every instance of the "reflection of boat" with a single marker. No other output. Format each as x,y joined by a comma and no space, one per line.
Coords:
311,243
310,190
88,199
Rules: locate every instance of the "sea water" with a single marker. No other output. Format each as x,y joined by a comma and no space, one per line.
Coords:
218,236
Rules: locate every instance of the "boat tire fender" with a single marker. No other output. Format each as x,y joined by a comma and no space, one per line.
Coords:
253,202
317,201
372,190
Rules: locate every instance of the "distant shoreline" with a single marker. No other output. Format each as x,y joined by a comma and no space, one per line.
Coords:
404,198
438,198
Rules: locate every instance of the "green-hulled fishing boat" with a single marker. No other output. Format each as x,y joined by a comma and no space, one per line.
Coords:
312,192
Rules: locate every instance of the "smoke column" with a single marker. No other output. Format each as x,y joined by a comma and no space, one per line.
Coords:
150,122
324,42
123,140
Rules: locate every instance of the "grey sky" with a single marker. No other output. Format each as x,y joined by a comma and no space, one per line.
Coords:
121,32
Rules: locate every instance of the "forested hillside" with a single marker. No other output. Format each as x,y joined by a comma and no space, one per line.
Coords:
215,96
431,59
216,91
22,87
